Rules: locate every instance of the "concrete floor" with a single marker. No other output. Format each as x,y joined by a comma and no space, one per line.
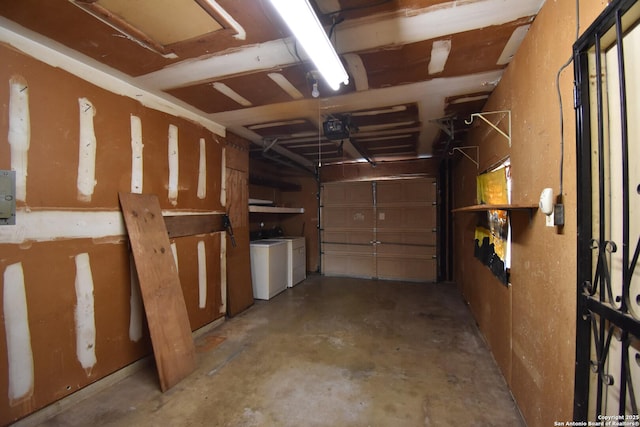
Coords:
328,352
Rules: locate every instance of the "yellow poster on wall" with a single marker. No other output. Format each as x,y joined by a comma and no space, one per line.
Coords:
491,234
492,187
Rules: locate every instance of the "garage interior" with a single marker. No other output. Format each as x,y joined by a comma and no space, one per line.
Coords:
210,116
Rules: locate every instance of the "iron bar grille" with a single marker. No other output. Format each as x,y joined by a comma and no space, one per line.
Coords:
607,377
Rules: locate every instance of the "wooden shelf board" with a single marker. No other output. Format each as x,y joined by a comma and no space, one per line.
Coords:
274,209
503,207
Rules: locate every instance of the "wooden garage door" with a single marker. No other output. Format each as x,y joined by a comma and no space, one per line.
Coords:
381,229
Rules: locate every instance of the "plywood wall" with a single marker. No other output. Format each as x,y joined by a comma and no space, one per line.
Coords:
530,326
69,303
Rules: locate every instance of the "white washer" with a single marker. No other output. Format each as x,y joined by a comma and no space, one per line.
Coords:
268,267
296,260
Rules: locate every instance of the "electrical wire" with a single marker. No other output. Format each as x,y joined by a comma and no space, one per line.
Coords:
562,68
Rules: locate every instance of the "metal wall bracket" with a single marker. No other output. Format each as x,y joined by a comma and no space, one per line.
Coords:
496,128
446,124
470,147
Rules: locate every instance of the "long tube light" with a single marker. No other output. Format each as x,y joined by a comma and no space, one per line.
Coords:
305,26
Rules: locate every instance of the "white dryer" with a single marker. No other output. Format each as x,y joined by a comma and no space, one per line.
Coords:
296,260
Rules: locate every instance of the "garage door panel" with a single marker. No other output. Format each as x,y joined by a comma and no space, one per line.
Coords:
351,193
348,217
405,250
407,237
352,237
347,249
355,265
406,217
400,219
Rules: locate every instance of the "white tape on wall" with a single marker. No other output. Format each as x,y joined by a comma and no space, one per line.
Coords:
202,170
19,132
84,314
86,151
136,155
202,275
16,325
173,164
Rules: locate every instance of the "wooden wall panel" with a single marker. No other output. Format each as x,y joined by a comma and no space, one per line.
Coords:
537,313
188,265
46,248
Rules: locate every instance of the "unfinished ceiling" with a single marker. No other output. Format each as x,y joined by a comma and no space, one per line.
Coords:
417,68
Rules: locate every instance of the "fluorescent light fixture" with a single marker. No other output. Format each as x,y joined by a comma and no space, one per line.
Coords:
305,26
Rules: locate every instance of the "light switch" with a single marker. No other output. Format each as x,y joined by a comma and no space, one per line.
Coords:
7,197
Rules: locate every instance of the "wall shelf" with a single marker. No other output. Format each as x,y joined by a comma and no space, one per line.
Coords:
502,207
275,209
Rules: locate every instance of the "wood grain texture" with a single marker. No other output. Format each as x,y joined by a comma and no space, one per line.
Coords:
239,287
189,225
173,346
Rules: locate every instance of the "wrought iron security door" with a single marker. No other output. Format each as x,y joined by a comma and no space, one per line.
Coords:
607,72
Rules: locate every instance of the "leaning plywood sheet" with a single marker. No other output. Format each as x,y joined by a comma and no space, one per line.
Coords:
164,304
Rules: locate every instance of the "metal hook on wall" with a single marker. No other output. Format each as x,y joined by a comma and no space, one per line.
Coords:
496,128
470,147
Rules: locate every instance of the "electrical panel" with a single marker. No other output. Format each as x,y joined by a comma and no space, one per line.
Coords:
7,197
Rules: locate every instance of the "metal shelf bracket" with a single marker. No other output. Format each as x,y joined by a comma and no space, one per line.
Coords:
496,128
476,161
